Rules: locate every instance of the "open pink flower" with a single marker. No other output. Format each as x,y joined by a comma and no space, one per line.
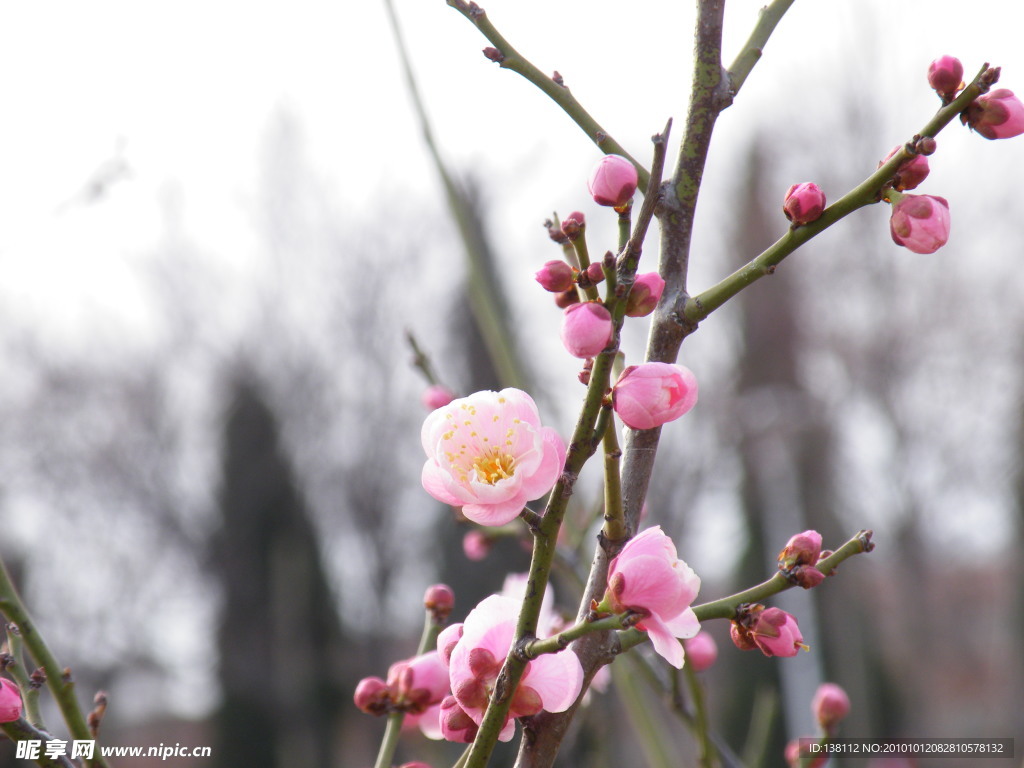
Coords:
648,577
649,395
920,223
489,454
551,682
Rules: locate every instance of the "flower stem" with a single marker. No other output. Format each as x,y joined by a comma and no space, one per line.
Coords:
767,19
701,727
389,743
19,671
58,678
509,58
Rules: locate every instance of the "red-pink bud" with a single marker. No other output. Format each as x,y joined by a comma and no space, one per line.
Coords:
613,181
652,394
920,223
830,705
804,203
701,651
10,701
587,329
802,549
645,294
439,599
595,273
573,224
912,172
946,76
436,396
372,696
776,633
741,637
555,276
997,114
476,545
806,576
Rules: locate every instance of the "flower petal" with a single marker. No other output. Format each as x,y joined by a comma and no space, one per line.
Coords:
557,678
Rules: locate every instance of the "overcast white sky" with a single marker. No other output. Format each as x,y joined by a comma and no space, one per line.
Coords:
187,90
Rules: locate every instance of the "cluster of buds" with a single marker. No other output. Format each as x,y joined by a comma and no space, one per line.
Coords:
798,558
413,686
771,630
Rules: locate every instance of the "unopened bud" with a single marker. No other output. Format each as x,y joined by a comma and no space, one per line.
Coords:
804,203
439,600
645,294
573,225
555,276
595,273
911,172
566,299
997,114
701,651
613,181
586,329
372,696
946,75
802,549
830,705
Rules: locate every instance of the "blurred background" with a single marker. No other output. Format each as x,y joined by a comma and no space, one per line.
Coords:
219,220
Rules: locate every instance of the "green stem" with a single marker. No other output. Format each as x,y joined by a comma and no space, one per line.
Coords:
625,224
615,529
559,642
19,671
420,360
389,743
705,749
865,193
485,300
509,58
579,244
767,19
58,679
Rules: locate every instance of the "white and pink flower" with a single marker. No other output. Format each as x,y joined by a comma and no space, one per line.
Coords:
550,682
489,454
647,577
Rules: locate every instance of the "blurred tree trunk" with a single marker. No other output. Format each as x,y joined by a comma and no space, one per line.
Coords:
279,634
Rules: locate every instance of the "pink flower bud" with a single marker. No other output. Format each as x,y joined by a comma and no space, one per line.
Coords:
435,396
476,545
920,223
946,75
652,394
595,273
573,225
555,276
613,181
439,600
912,172
776,633
587,329
804,203
741,637
645,294
10,701
997,114
806,576
372,696
802,549
701,651
830,705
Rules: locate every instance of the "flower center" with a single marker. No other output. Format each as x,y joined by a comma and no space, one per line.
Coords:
494,465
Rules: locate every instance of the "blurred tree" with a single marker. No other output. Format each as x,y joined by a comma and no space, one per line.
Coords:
279,637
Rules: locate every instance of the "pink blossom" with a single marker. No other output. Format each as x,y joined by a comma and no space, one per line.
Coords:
912,172
587,329
476,545
10,701
447,639
645,294
489,454
647,577
371,696
550,682
555,276
613,181
804,203
830,705
997,114
701,650
417,687
652,394
946,75
573,225
436,396
776,633
920,223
